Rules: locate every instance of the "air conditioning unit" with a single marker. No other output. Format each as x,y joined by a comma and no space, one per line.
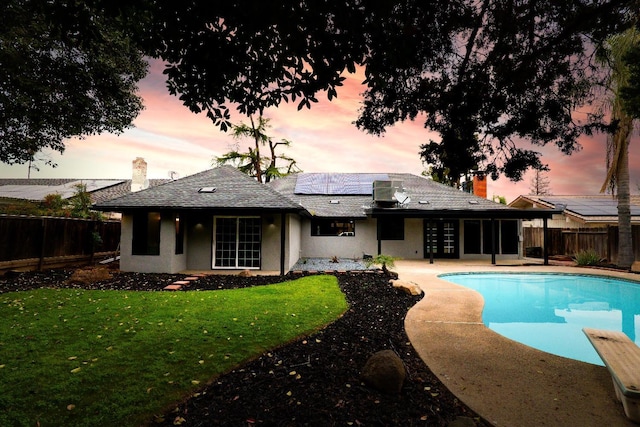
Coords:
383,191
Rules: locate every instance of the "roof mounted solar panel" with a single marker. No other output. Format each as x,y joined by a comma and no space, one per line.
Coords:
349,184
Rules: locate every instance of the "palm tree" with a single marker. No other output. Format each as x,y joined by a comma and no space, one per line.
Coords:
618,142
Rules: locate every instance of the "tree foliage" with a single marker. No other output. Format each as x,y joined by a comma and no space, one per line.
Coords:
69,69
484,74
630,93
255,162
487,75
613,56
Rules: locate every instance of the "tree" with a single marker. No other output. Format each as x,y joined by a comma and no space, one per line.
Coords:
540,184
617,178
485,74
487,77
35,161
260,166
69,69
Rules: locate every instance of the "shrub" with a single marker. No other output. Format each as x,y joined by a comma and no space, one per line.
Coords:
587,257
383,260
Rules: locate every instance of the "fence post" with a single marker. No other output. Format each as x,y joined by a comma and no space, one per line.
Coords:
43,240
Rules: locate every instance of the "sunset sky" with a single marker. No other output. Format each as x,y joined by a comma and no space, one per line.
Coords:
171,138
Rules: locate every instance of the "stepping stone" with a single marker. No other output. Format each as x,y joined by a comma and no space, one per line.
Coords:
181,282
192,278
173,287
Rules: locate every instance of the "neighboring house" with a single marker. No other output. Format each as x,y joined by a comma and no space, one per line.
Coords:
577,211
581,223
223,219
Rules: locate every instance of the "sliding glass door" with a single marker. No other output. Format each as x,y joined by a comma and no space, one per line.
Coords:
236,242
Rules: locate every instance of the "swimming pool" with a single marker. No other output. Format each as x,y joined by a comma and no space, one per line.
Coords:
548,311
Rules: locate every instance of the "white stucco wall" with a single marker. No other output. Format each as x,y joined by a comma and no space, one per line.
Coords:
271,242
412,247
294,240
199,246
351,247
166,262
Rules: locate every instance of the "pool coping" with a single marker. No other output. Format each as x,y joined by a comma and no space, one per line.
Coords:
505,382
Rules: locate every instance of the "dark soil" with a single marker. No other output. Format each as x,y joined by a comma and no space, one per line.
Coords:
313,381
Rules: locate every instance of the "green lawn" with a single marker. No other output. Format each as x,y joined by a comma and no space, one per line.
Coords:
78,357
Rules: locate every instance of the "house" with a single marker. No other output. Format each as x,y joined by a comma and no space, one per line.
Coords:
581,222
223,219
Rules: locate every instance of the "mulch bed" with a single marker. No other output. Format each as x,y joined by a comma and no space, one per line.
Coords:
313,381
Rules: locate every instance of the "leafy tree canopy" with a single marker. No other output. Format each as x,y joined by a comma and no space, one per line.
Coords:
69,68
485,74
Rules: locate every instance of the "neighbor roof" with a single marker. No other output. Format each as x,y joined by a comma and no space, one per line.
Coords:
427,198
224,187
37,189
585,208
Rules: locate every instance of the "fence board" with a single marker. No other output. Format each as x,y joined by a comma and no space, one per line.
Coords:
23,237
603,241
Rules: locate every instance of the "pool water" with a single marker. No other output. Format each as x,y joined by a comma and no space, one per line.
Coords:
548,311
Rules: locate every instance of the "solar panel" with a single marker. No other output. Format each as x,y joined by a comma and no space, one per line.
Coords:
39,192
601,206
348,184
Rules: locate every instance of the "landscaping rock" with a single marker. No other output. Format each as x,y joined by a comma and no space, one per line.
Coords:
635,267
385,372
409,287
245,273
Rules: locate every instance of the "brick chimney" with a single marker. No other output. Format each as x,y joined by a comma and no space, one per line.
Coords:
139,178
480,185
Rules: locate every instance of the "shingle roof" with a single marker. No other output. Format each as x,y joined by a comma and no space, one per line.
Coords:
233,190
434,197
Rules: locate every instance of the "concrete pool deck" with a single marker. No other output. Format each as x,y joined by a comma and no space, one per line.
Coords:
505,382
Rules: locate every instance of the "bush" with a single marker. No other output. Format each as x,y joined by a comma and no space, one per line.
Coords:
588,257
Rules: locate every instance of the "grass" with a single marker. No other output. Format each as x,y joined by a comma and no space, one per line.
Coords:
79,357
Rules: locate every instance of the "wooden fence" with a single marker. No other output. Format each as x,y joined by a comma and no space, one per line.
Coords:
603,241
35,242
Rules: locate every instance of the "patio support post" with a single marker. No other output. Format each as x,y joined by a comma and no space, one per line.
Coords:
493,241
430,243
283,219
545,237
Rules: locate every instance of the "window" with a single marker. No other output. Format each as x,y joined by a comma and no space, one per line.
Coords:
146,233
237,242
477,236
486,236
333,227
179,235
509,236
472,236
390,228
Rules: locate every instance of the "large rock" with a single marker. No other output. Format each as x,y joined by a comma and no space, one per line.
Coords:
385,372
409,287
635,267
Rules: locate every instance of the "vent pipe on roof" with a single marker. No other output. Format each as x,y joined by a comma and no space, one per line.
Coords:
139,179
